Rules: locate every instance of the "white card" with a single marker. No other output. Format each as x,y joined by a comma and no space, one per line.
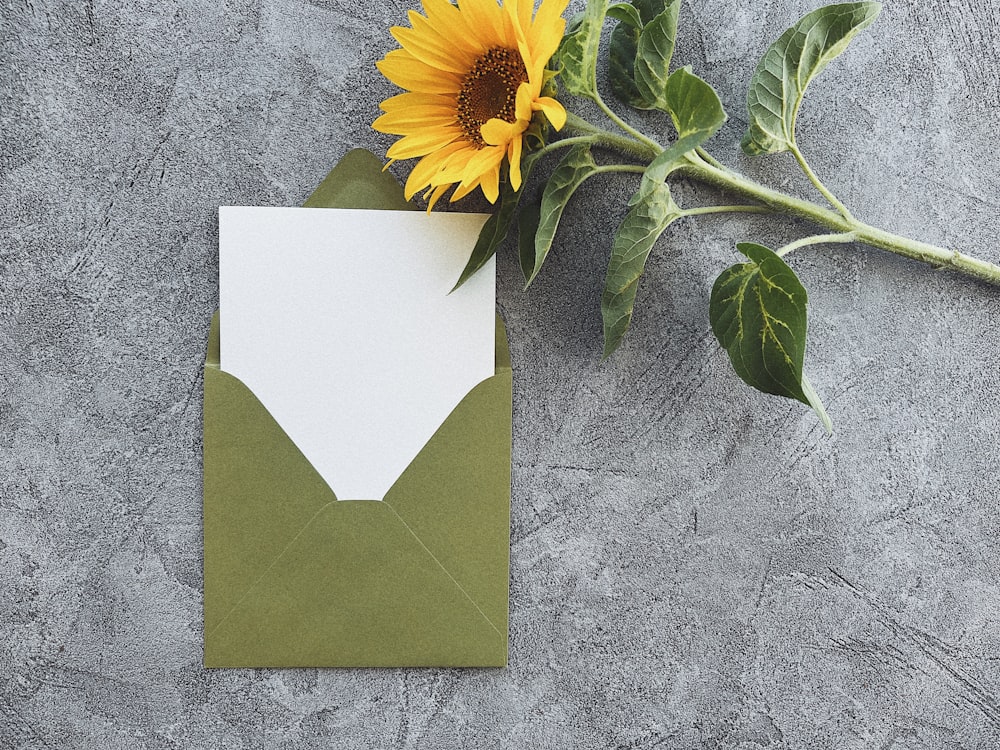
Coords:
341,323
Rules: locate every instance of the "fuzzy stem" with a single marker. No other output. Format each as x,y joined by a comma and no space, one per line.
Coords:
565,143
637,135
703,210
819,185
709,158
608,168
819,239
700,170
629,146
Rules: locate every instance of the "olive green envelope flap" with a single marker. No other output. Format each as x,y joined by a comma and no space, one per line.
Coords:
294,577
358,181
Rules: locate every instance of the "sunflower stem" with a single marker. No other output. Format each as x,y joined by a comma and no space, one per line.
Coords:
701,170
564,143
703,167
703,210
636,134
607,168
818,239
709,158
645,150
833,200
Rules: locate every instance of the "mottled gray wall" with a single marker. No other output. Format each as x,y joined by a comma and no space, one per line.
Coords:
694,565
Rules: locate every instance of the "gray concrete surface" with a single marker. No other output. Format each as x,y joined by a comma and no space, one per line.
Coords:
695,566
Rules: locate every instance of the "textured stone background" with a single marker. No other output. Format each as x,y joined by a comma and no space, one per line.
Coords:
694,565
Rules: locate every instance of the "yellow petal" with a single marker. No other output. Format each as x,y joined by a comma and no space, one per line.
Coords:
461,192
514,157
517,32
404,122
474,168
436,195
490,183
449,23
420,143
427,49
517,19
448,30
407,72
497,132
410,100
553,110
547,29
523,11
455,167
522,103
457,44
426,169
485,21
418,112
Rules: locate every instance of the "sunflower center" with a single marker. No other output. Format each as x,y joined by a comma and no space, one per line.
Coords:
489,90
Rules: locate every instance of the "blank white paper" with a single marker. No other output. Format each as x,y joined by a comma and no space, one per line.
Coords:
341,323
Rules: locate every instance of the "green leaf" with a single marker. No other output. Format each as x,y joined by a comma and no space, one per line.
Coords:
650,9
527,227
697,114
649,216
623,49
627,14
495,228
577,54
574,23
621,66
788,66
814,401
654,50
758,314
568,175
693,105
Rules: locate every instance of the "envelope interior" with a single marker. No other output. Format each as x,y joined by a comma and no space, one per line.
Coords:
341,322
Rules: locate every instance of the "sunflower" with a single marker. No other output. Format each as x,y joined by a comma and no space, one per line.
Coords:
473,75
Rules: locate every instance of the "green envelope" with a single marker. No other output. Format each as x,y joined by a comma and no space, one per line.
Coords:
296,578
